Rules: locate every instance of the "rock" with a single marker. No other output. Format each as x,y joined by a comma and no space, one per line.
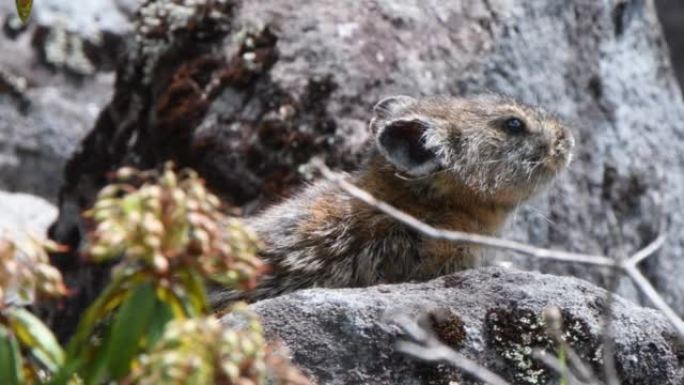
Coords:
78,38
493,316
671,13
25,214
247,92
38,133
55,78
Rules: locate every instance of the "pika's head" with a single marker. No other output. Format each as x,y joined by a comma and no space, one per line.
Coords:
493,145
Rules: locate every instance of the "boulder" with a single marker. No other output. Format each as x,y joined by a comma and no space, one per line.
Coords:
671,14
56,75
25,214
492,316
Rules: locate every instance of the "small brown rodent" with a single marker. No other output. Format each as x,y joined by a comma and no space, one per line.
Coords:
455,163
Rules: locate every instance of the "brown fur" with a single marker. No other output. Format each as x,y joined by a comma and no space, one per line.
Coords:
476,173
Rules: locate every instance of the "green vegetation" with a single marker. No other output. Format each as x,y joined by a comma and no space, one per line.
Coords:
24,9
152,324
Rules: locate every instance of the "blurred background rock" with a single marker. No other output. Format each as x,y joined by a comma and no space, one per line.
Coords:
56,75
671,15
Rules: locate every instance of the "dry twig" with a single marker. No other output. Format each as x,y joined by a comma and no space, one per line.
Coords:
429,348
556,365
580,373
628,266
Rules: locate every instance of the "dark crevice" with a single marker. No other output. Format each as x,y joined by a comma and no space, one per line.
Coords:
619,18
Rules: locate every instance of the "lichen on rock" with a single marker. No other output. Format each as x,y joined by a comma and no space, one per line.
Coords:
516,333
165,24
341,336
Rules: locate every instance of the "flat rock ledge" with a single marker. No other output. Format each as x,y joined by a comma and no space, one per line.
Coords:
492,315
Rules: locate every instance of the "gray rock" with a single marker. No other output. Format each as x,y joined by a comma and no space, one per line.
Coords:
78,38
25,214
671,14
493,316
36,142
89,18
55,77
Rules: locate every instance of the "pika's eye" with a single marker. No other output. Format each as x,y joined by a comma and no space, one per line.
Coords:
514,126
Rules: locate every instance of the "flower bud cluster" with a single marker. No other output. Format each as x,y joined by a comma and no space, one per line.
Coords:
170,222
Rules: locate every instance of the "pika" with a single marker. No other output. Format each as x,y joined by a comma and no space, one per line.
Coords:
455,163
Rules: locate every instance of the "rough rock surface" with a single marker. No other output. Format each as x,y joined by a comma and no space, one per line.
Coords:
248,91
55,77
24,214
494,316
671,15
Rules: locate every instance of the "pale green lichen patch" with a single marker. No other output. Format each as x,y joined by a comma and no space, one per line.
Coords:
66,50
63,48
162,23
516,334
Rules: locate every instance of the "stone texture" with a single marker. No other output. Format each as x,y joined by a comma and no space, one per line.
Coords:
671,15
493,316
247,92
24,214
55,77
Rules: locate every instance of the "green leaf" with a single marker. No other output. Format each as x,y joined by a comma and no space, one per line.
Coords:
11,367
24,9
564,367
66,372
128,329
98,366
36,337
196,293
94,370
109,299
177,306
161,315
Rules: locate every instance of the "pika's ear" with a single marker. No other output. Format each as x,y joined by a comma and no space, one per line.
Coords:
402,143
389,106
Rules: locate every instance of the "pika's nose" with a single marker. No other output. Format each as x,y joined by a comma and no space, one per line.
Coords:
562,146
564,140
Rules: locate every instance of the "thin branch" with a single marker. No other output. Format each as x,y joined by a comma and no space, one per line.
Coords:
427,347
646,251
553,319
460,236
609,368
642,283
555,364
628,267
